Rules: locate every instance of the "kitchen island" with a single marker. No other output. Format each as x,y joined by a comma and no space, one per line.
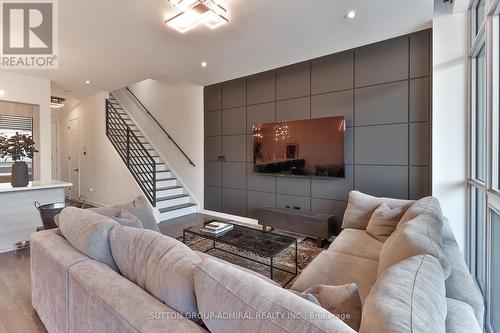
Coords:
18,216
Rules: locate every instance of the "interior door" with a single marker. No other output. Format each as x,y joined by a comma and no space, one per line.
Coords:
74,158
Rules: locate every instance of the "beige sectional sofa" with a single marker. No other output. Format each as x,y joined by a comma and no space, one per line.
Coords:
416,280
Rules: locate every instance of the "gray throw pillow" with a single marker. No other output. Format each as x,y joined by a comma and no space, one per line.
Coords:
88,232
384,221
123,217
343,301
140,208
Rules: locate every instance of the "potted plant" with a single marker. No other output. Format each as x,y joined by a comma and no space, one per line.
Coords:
17,147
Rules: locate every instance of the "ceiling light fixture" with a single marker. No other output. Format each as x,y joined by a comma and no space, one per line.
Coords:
351,14
194,12
56,102
87,82
203,64
2,92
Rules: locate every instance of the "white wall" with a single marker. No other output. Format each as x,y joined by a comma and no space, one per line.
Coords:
178,107
31,90
449,127
101,169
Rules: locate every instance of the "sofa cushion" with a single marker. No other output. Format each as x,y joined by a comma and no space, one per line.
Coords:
263,307
360,208
89,233
461,318
422,235
343,301
102,301
461,285
357,243
203,255
427,205
140,208
121,216
383,221
408,297
334,268
159,264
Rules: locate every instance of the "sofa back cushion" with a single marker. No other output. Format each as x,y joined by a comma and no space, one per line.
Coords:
161,265
360,208
427,205
383,221
89,233
422,235
263,307
461,318
407,297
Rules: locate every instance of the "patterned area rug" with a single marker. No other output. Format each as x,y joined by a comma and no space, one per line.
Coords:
307,250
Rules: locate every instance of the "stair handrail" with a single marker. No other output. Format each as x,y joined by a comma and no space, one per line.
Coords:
149,191
159,125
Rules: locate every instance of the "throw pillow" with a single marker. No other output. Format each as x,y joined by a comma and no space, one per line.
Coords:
384,221
88,232
360,208
141,209
255,305
422,235
121,216
343,301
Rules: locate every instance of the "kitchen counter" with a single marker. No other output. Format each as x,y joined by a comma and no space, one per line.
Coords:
18,216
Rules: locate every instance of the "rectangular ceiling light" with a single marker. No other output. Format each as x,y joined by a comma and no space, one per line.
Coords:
195,12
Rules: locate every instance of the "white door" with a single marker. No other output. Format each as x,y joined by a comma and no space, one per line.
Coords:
74,158
55,173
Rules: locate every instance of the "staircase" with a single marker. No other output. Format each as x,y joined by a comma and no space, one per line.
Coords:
158,183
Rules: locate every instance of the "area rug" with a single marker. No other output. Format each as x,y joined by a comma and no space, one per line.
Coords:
307,250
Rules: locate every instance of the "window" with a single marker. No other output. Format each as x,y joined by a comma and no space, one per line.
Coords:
479,15
480,116
494,309
9,126
483,237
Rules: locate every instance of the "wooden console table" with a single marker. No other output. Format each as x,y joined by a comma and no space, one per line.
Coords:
318,225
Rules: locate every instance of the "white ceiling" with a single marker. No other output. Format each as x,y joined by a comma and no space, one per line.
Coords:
118,42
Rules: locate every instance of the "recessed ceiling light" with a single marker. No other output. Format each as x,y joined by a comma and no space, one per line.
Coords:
87,82
351,14
2,92
203,64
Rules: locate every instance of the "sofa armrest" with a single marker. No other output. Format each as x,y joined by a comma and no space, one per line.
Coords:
51,257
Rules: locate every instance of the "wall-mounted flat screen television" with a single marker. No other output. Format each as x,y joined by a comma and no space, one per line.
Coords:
310,148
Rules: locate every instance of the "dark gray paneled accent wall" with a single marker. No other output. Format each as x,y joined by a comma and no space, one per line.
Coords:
383,90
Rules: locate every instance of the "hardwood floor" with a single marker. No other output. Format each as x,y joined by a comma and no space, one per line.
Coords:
16,313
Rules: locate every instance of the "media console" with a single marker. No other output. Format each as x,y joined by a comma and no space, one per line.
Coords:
318,225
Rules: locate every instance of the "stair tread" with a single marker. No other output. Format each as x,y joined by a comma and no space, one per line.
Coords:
168,188
172,197
177,207
157,171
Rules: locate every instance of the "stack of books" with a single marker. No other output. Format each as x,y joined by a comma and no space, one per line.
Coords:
216,228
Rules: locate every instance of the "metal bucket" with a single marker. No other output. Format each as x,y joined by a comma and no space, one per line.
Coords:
47,213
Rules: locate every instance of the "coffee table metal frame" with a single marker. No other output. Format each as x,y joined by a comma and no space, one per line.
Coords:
195,230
